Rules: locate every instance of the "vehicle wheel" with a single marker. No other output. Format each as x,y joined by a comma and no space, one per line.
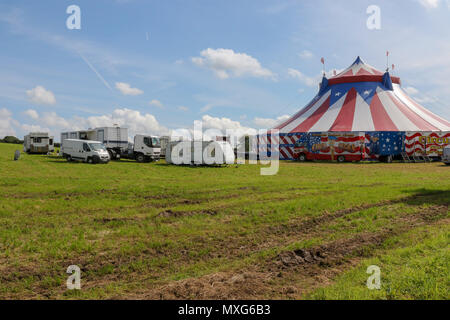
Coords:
302,157
69,159
140,157
89,160
341,159
95,159
112,154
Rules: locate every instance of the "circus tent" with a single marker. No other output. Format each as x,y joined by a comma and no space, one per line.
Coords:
360,105
362,98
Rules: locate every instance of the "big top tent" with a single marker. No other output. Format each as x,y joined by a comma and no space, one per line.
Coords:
365,100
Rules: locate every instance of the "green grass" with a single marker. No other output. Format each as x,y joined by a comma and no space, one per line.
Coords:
134,228
417,270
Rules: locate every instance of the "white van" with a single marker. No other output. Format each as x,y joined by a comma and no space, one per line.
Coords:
84,150
446,155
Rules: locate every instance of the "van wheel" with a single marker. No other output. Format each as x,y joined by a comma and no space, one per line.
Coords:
140,157
89,160
341,159
69,159
302,157
95,159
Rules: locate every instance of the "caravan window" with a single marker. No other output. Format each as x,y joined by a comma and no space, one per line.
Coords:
51,142
37,140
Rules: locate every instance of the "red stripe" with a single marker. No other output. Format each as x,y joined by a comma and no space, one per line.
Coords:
312,119
284,154
432,115
290,152
412,116
344,120
381,119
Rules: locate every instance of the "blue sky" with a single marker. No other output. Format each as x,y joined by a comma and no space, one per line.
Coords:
160,65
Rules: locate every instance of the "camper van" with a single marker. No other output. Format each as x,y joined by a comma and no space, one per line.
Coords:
84,150
446,155
38,142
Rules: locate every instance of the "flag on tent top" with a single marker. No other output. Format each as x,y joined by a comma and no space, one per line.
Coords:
387,53
322,60
393,66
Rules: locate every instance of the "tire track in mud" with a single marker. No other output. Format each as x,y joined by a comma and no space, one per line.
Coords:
254,283
313,266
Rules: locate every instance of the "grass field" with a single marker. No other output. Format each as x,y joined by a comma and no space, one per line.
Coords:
152,231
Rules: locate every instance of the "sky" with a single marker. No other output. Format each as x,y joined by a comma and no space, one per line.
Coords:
156,66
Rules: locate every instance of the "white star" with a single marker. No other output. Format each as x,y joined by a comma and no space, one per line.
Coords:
367,92
337,94
387,140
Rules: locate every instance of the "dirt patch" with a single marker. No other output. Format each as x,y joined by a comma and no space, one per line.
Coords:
174,214
215,286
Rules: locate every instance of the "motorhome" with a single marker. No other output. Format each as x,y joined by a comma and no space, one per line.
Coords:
144,149
38,142
84,150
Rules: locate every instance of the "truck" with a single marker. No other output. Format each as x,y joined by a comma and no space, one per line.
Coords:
144,149
84,150
115,139
38,142
342,147
199,153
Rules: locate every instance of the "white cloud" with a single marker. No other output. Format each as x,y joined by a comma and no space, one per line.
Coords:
183,108
306,54
134,120
127,90
310,82
33,128
6,123
40,95
226,63
269,123
32,114
156,103
430,4
411,91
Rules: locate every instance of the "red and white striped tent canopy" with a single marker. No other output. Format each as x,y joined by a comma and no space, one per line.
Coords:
362,98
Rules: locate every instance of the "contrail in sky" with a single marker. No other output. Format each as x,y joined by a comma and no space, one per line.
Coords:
96,72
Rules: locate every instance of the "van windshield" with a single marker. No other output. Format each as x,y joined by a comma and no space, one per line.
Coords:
97,146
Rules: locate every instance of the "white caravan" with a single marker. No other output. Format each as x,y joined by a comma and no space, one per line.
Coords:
446,155
114,138
144,149
200,153
38,142
84,150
